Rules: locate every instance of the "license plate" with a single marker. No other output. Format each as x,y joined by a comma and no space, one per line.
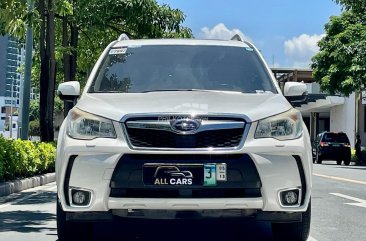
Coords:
163,174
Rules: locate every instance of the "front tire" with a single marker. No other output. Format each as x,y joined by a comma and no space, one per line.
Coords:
347,161
68,231
339,162
298,231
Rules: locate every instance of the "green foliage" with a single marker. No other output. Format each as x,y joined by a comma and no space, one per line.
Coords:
59,105
34,128
354,157
340,66
20,159
27,156
14,17
64,8
358,6
2,28
2,157
24,158
34,108
9,159
47,153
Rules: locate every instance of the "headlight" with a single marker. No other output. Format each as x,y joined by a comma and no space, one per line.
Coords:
83,125
285,126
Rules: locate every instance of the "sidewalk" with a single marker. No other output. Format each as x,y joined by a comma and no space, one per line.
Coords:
7,188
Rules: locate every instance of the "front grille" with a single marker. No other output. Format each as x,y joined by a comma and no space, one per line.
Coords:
220,136
165,139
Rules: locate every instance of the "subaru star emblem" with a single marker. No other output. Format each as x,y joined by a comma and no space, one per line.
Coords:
185,126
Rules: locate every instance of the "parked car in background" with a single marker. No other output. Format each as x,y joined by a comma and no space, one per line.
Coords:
332,146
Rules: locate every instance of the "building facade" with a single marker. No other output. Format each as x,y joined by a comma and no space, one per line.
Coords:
324,112
12,56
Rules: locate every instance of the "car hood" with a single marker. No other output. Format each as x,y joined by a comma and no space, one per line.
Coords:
116,105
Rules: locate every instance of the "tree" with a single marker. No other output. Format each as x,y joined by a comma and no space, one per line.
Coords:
89,24
70,35
357,6
15,16
340,65
47,77
34,128
34,111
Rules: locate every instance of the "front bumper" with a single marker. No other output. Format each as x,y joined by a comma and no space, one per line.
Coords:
280,164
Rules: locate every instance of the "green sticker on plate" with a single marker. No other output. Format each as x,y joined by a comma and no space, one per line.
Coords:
209,175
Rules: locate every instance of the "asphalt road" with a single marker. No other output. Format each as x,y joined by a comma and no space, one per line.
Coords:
339,203
339,213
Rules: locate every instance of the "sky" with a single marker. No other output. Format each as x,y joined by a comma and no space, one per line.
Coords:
285,31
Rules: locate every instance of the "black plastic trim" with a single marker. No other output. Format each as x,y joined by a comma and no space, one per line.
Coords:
302,177
279,217
67,178
89,216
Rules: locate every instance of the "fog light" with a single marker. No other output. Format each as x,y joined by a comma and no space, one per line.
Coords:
80,197
290,197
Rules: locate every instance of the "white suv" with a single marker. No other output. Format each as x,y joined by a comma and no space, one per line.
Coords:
170,128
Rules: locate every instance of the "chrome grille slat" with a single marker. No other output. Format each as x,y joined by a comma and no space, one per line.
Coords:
214,132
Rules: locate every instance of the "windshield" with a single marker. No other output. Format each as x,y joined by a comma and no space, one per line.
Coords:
185,67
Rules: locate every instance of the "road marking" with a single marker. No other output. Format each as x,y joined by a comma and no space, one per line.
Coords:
38,192
311,239
340,179
359,202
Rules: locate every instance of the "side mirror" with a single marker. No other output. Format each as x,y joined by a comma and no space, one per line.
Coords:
69,91
295,91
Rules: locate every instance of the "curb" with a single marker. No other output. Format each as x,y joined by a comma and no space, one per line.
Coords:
11,187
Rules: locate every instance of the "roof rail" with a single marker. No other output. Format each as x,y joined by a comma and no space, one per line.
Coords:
237,38
123,37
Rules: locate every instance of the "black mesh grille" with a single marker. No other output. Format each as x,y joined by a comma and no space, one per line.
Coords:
217,138
166,139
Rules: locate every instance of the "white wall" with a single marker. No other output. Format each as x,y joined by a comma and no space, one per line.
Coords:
361,122
14,133
342,118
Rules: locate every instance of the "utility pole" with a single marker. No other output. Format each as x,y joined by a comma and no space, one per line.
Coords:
27,78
